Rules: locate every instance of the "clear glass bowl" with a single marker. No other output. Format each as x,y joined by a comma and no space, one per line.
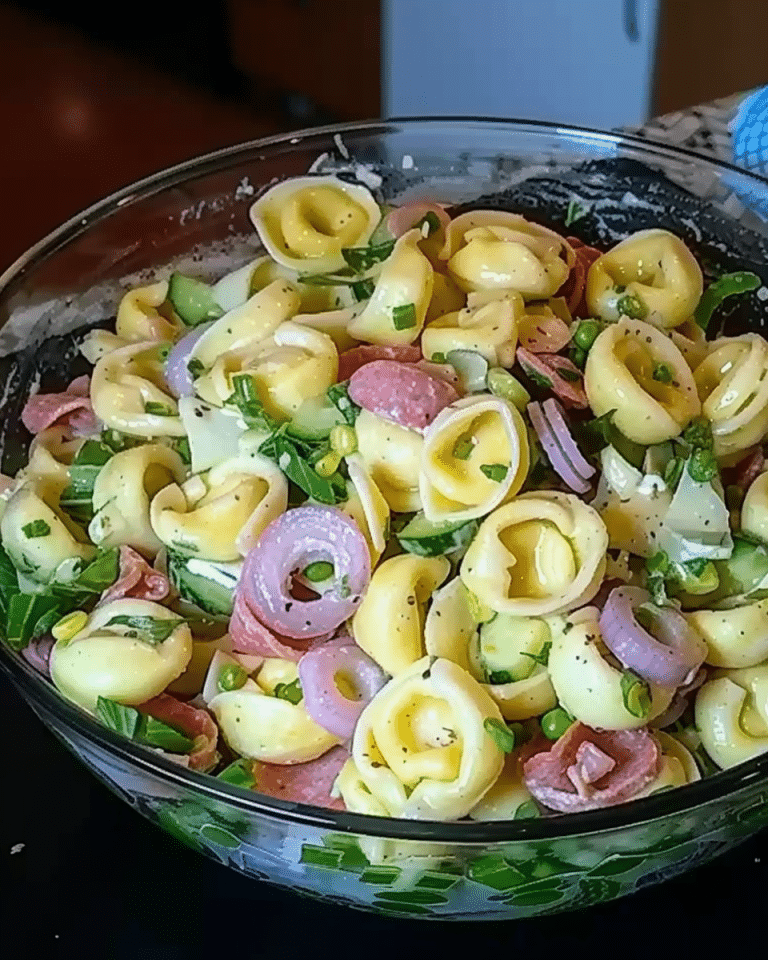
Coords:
196,214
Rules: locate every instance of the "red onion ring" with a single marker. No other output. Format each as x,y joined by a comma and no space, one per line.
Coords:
37,653
557,458
291,542
556,416
323,700
671,659
177,375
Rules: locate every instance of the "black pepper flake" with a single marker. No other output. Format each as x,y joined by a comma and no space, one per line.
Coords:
288,606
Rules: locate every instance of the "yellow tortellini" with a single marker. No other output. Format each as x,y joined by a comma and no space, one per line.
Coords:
691,340
366,505
36,533
636,371
397,309
237,501
733,387
489,329
450,626
496,250
117,656
542,553
420,745
587,684
139,317
754,509
389,623
292,365
305,222
475,456
129,393
258,725
122,492
507,795
731,715
391,455
678,766
333,323
446,298
653,267
248,324
735,638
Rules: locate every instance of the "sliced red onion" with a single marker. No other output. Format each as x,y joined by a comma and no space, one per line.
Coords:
37,653
323,700
302,536
556,416
557,458
177,375
669,660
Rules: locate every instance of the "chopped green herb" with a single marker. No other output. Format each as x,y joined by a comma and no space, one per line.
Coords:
438,358
363,290
462,449
662,373
195,367
673,471
181,446
361,259
632,307
535,377
500,733
284,451
698,433
728,285
239,774
575,212
318,571
338,394
344,588
77,497
291,692
152,630
636,694
94,578
431,221
542,656
155,733
248,402
118,717
231,677
499,677
30,615
570,375
594,435
404,316
141,727
555,722
36,528
527,811
702,466
494,471
158,409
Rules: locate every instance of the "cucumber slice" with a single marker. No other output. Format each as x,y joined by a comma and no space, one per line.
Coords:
210,586
471,367
315,419
428,539
193,300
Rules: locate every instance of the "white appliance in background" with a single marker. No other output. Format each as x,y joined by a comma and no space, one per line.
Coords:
587,62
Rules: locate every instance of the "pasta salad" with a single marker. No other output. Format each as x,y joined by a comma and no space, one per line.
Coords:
421,513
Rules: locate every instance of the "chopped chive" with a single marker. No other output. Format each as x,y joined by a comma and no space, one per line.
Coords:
158,409
36,528
575,212
431,221
360,259
462,449
662,373
494,471
363,290
291,692
500,733
239,774
635,694
404,316
542,656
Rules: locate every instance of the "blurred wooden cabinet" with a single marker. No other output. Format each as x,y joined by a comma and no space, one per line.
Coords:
325,50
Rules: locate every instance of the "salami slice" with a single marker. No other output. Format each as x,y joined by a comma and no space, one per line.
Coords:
570,777
136,579
303,782
197,724
401,393
71,408
352,360
576,282
250,636
402,219
551,367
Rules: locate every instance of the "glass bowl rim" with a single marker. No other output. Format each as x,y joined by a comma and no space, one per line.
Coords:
717,787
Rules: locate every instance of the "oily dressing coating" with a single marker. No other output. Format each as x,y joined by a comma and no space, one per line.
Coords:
653,268
425,732
622,375
542,553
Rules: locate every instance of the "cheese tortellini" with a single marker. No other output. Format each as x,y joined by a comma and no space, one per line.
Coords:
732,382
122,492
305,222
129,393
139,317
420,746
391,455
475,456
678,765
636,371
223,518
389,623
496,250
398,305
754,509
653,268
735,638
488,329
542,553
367,507
587,683
732,715
128,651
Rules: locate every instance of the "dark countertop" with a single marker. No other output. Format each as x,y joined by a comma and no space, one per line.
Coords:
94,880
